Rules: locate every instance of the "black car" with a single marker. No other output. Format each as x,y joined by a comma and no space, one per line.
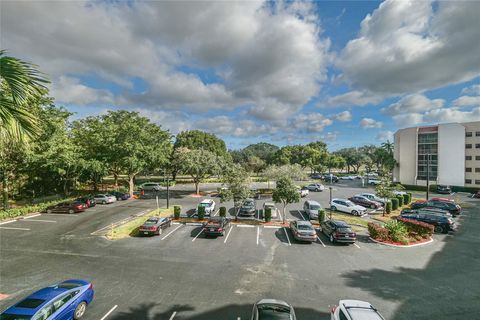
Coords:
216,226
427,210
316,176
120,195
338,231
88,201
154,226
449,206
441,223
443,189
329,178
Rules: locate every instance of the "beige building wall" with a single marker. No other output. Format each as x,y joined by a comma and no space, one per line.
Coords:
405,154
472,154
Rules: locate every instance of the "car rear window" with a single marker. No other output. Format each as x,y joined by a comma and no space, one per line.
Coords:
151,222
29,303
274,312
6,316
315,207
304,227
69,285
345,230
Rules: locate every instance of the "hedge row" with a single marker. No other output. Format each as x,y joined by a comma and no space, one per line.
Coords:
17,212
423,229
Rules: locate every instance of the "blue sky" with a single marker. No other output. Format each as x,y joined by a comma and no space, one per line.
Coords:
345,72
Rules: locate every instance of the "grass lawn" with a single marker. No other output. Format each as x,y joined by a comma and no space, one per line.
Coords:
130,228
352,220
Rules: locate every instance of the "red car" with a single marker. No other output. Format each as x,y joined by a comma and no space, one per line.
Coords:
442,199
67,207
365,202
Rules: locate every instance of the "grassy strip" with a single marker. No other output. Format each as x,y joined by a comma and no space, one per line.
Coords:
18,212
130,229
352,220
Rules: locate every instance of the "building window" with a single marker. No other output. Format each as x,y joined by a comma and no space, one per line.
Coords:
468,181
427,156
477,181
468,134
468,146
477,169
468,169
477,145
469,158
477,134
477,157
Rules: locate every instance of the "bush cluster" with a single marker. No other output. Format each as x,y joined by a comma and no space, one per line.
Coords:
176,212
388,207
394,203
377,232
201,212
17,212
406,198
400,200
223,212
422,229
267,214
321,215
400,230
397,231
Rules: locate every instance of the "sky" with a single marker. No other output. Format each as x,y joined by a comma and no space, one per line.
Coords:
345,72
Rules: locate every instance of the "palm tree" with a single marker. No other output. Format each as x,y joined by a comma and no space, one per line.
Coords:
388,146
20,81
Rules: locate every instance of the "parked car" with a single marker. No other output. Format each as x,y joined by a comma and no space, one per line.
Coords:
104,198
444,189
154,226
88,201
338,231
347,206
216,226
303,230
311,208
270,309
120,195
67,207
330,178
451,207
270,205
355,310
441,223
365,202
248,208
316,176
442,199
399,193
315,187
347,178
151,186
374,182
303,192
63,301
373,197
209,206
427,210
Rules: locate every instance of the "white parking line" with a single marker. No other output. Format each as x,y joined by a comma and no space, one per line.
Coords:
61,214
216,212
108,313
323,244
272,227
285,230
172,232
12,228
8,222
37,220
33,216
301,214
197,235
280,215
356,245
258,234
245,226
173,315
228,234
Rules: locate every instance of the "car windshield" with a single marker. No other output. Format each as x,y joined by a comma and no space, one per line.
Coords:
248,204
152,221
315,207
6,316
305,227
204,204
273,312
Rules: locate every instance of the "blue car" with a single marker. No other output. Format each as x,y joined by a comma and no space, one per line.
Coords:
64,301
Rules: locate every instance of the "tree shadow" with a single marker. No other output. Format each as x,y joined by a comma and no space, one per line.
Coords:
298,214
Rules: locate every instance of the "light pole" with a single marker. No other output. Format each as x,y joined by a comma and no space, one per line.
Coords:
330,203
428,175
168,186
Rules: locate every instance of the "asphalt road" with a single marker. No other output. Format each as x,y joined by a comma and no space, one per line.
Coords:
183,275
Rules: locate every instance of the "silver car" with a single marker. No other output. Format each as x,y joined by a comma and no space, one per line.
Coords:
303,231
267,309
311,208
151,186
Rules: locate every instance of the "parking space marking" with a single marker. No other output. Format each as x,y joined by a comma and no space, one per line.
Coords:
280,215
197,235
38,220
12,228
228,234
171,232
356,245
216,212
285,230
173,315
258,234
301,214
33,216
8,222
61,214
245,226
323,244
272,227
109,311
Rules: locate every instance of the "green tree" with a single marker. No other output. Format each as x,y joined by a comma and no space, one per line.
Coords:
262,150
199,164
286,192
385,189
20,82
293,172
237,184
255,164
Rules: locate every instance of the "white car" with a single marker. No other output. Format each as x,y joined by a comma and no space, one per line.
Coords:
346,178
355,310
373,197
399,193
209,206
104,198
374,182
303,192
347,206
151,186
315,187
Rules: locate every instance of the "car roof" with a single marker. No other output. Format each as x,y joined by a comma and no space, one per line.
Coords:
206,201
340,199
303,222
339,223
312,202
360,310
273,301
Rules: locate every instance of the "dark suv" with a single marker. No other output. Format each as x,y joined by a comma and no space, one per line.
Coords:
449,206
427,210
441,223
338,231
216,226
443,189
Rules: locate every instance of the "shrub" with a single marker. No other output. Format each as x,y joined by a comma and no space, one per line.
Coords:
321,215
17,212
176,212
400,200
409,197
201,212
267,214
223,212
397,231
394,203
377,232
388,207
422,229
405,199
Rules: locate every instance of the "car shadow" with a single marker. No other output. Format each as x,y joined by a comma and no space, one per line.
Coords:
196,231
280,235
297,214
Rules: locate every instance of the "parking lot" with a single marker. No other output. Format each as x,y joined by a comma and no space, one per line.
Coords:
183,275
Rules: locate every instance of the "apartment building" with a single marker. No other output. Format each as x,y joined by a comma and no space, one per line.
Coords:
448,153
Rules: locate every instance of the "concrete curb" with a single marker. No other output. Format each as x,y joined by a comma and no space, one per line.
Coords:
400,245
27,216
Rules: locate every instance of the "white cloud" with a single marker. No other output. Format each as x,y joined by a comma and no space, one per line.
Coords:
467,101
329,136
344,116
452,115
410,46
408,119
70,90
472,90
367,123
413,103
352,98
385,136
311,122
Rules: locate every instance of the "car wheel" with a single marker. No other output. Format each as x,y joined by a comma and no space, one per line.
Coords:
373,206
333,208
104,202
355,212
317,189
438,229
49,210
80,310
332,240
70,211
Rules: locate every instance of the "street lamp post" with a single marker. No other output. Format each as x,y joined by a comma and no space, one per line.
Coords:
428,175
330,189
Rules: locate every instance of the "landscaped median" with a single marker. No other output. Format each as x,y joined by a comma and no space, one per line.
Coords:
129,227
401,232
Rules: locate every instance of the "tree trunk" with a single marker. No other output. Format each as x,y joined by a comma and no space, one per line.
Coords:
5,191
197,187
131,184
115,177
284,208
